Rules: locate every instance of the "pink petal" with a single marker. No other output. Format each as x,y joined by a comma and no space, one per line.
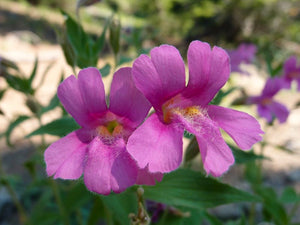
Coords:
215,153
162,76
65,157
83,98
92,90
290,65
242,128
272,86
109,167
279,110
156,145
208,72
265,112
147,178
126,100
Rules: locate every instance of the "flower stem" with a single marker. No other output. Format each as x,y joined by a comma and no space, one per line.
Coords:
58,200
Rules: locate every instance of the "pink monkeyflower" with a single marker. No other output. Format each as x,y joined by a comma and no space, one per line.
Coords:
157,143
291,72
98,148
267,107
245,53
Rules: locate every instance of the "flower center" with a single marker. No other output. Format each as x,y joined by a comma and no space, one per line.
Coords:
293,74
188,113
266,101
112,128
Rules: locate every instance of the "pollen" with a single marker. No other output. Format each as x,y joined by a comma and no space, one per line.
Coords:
112,128
266,101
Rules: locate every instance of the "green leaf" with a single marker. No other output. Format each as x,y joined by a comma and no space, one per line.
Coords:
2,93
97,212
59,127
105,70
114,35
124,59
19,84
171,217
272,207
243,156
13,125
221,94
289,195
75,197
99,43
54,102
33,72
121,205
212,219
192,189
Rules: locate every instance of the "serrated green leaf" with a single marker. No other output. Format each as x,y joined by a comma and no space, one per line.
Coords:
192,189
13,125
105,70
59,127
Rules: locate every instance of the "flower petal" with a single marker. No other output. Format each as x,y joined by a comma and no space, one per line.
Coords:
156,145
272,86
215,153
265,112
208,72
126,100
279,110
92,90
162,76
147,178
109,167
290,65
65,157
83,98
242,128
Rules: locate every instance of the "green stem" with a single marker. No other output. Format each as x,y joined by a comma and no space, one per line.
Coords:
58,200
22,214
252,214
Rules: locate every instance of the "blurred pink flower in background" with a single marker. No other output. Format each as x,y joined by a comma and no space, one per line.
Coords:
157,143
245,53
291,72
98,149
267,107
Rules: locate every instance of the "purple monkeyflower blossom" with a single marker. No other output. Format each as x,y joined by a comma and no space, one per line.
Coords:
157,143
245,53
267,107
291,72
98,148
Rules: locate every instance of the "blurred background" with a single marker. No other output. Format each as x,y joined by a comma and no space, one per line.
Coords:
32,39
